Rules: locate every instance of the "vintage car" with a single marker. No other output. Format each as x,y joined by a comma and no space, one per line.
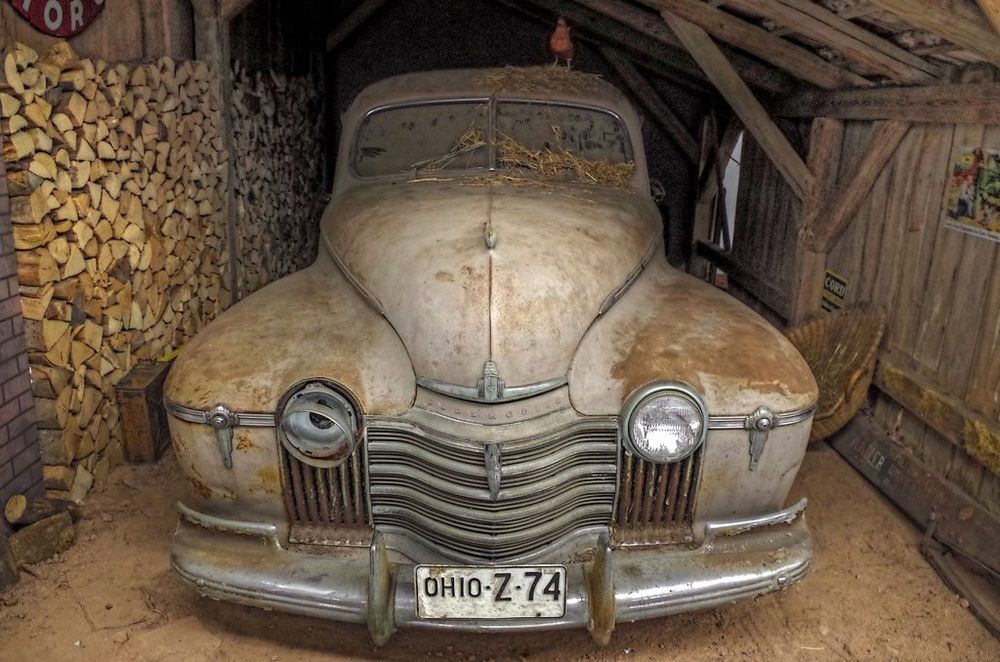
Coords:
490,404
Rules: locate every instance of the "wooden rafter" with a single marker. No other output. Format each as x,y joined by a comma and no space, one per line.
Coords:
765,45
992,10
649,25
713,62
853,42
668,61
654,103
964,103
352,22
958,21
842,205
230,8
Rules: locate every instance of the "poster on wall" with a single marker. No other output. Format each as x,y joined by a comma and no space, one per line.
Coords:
59,18
972,202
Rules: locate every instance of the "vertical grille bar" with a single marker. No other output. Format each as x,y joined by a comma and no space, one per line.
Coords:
324,504
655,500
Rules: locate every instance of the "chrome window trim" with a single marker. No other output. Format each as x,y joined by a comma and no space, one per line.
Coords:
492,102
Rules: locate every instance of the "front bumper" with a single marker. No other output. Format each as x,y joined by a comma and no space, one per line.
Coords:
246,563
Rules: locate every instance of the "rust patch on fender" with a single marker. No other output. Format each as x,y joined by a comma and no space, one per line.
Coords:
203,490
244,443
698,339
269,479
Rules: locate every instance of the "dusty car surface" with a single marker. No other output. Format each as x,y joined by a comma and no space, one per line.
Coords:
490,404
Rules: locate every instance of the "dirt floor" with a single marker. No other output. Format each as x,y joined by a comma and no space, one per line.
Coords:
112,597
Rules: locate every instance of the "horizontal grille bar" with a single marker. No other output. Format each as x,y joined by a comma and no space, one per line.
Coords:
433,488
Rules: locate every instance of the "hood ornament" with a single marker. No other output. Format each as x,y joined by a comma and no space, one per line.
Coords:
491,385
491,455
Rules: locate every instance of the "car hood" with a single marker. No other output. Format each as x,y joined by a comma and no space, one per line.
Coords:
474,271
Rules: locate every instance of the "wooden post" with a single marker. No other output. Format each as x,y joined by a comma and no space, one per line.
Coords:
712,61
825,141
211,38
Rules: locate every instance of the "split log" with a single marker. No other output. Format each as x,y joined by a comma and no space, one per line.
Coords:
21,510
44,539
9,574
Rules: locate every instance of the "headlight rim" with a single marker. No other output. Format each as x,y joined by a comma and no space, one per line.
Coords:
353,410
650,391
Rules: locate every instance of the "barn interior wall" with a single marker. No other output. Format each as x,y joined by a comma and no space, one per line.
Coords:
151,29
939,287
117,175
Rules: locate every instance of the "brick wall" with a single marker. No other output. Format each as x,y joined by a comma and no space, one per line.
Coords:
20,457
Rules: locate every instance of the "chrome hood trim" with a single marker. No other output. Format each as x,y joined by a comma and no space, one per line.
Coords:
482,394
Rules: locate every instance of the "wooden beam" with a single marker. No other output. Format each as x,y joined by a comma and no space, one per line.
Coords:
708,182
921,491
758,75
963,103
654,103
826,138
230,8
949,416
992,10
828,228
764,292
771,48
352,22
958,21
743,102
853,42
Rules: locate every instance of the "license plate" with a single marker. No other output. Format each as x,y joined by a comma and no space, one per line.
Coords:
481,592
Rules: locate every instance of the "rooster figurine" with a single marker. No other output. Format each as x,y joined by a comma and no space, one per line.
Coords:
561,42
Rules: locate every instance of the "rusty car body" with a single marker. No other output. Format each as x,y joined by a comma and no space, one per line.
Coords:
490,371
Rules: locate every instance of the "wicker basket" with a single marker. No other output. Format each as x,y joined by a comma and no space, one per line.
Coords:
840,348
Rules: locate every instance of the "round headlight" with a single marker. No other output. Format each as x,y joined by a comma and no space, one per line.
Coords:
664,422
319,426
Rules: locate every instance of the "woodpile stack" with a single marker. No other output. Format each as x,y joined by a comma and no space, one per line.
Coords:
117,176
277,125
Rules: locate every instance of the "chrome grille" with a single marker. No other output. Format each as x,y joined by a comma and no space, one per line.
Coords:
432,487
656,499
325,505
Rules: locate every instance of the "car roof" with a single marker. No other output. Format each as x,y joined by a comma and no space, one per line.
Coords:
548,83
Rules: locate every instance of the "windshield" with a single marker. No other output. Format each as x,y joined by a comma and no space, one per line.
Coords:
538,138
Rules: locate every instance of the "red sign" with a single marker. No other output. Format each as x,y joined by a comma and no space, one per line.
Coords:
59,18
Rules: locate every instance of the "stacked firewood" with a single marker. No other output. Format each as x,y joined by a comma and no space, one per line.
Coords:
277,123
117,177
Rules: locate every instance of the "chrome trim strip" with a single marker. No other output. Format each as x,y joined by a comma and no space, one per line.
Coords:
738,526
738,422
510,393
260,529
243,419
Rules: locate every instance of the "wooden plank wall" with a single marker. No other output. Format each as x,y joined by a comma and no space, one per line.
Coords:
767,213
940,287
127,31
